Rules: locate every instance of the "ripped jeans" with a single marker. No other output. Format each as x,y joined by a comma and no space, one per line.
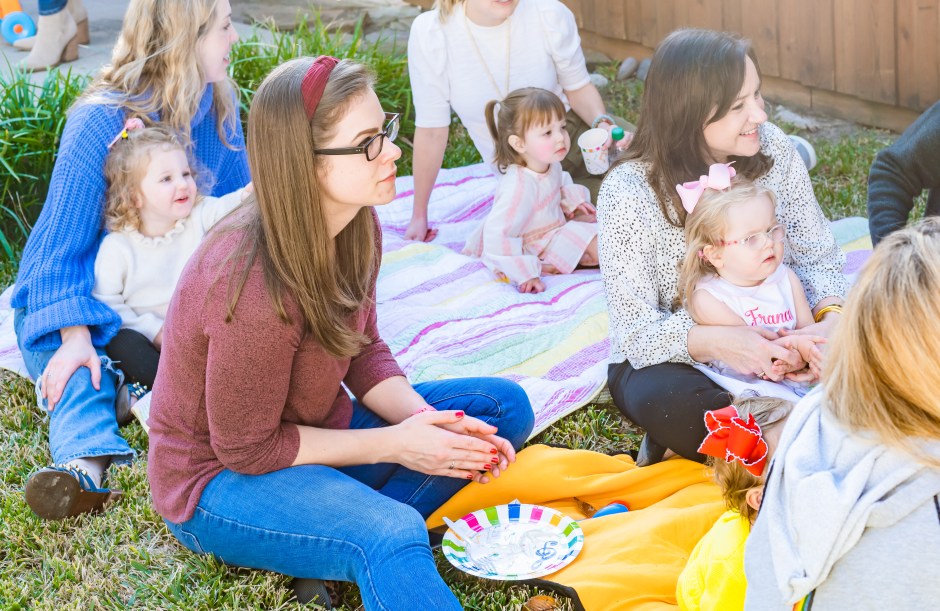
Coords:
83,423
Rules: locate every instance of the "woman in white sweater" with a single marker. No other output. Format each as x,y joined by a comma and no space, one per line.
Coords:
698,78
850,517
465,53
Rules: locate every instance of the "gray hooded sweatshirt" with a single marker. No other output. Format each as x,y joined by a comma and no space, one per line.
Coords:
843,517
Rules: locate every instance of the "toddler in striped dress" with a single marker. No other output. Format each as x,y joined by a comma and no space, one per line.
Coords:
541,222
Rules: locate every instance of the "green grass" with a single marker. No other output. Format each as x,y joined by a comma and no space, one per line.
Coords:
126,557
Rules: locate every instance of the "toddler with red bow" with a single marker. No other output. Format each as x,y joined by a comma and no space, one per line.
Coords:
156,220
741,439
733,274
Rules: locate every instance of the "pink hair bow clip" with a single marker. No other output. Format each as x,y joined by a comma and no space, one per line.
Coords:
719,178
129,126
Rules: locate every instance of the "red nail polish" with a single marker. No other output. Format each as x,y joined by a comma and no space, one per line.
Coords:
494,460
487,467
493,451
460,414
469,477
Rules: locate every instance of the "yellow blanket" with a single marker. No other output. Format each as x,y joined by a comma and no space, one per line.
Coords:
630,560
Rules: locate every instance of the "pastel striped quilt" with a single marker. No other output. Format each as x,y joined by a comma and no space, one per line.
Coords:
444,315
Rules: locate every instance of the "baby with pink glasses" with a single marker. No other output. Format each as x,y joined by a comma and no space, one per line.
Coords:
733,274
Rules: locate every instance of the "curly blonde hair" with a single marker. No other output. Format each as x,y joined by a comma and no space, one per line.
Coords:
732,478
154,67
126,167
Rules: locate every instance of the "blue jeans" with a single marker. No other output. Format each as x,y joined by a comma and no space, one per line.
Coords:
362,523
51,7
83,423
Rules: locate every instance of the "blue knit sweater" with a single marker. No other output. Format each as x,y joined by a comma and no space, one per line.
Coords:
57,269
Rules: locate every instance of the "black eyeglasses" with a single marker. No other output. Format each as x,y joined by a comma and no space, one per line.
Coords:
373,146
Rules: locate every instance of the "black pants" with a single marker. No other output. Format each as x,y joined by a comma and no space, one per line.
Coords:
135,355
669,401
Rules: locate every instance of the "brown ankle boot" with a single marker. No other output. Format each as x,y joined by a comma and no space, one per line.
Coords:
56,42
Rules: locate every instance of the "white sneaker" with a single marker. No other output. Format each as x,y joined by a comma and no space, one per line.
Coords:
805,149
141,410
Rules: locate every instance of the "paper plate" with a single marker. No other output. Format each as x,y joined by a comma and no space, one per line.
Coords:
514,541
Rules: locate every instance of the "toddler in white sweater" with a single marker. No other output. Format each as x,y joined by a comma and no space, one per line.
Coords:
156,220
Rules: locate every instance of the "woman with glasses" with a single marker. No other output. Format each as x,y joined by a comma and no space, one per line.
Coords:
655,343
258,454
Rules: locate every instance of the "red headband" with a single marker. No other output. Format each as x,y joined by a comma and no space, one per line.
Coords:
311,88
731,438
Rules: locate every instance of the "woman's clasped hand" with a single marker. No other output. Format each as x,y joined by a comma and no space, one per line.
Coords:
453,444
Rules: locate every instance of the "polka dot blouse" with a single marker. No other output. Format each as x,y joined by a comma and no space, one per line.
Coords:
640,252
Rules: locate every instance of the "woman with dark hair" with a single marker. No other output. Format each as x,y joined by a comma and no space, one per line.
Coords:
257,453
702,105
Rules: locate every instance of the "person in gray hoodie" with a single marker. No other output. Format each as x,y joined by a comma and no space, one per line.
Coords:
850,517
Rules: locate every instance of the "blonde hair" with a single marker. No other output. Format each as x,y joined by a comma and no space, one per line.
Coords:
328,278
125,168
445,8
155,69
880,374
732,478
521,109
706,226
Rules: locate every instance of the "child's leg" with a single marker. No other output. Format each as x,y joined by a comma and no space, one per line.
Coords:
590,258
136,356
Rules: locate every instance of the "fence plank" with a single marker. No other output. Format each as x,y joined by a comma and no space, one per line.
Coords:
760,22
609,19
648,19
702,14
806,42
918,55
864,49
633,20
732,16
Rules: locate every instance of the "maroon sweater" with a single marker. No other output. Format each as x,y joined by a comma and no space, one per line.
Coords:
229,395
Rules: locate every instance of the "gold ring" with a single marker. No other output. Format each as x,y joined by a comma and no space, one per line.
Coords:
762,375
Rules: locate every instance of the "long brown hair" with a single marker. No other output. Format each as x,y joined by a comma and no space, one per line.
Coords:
693,80
881,374
328,278
154,66
521,109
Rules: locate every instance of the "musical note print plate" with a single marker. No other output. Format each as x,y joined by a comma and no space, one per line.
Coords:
513,541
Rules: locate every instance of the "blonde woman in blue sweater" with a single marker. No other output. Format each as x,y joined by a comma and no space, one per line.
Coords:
60,327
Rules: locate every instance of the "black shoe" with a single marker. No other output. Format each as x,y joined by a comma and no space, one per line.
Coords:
127,396
650,452
62,491
311,590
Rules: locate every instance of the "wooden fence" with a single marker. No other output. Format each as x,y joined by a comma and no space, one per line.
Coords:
876,61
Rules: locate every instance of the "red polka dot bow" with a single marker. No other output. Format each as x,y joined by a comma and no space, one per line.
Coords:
732,438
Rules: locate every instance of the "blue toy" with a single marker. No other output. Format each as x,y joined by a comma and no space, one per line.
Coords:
14,23
611,509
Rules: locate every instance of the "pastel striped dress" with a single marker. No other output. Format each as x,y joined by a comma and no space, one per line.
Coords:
527,225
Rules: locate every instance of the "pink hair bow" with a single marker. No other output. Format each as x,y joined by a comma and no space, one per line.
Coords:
719,178
731,438
129,126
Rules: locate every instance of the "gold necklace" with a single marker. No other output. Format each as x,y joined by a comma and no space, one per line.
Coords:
466,23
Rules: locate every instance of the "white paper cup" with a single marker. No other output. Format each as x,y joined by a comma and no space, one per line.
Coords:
595,157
